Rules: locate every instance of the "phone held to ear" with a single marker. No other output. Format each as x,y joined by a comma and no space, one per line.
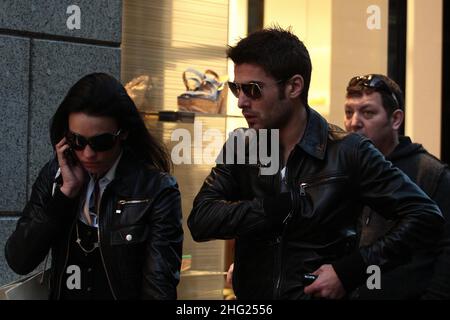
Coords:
70,156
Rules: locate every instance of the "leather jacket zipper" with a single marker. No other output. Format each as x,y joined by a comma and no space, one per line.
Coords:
279,243
67,258
276,293
122,203
100,248
104,265
305,185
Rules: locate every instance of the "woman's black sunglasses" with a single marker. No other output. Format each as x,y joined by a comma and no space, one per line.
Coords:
253,90
374,82
102,142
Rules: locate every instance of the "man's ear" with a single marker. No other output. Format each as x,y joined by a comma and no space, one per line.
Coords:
397,119
295,86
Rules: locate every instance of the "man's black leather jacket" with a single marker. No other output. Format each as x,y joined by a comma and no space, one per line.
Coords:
330,174
140,231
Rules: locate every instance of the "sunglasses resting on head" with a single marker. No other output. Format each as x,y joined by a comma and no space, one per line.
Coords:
101,142
374,82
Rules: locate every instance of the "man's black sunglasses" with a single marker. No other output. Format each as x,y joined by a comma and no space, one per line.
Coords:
374,82
253,90
102,142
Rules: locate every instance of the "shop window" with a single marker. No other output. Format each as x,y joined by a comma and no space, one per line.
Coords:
161,39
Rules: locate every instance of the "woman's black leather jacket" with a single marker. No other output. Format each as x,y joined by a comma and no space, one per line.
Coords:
140,231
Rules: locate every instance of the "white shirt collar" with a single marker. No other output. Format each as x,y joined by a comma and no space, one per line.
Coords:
103,182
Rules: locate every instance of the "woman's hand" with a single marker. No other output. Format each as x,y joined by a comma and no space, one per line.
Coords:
73,174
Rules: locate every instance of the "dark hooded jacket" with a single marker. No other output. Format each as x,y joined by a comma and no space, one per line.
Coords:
416,278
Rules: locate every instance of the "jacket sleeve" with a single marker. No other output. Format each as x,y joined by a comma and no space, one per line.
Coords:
389,191
161,271
44,219
219,213
439,287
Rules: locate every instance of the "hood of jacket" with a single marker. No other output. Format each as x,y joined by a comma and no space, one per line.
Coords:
405,149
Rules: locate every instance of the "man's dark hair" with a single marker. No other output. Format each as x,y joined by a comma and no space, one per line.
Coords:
279,52
389,103
99,94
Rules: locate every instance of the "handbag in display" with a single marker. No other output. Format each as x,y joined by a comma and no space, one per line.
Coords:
139,90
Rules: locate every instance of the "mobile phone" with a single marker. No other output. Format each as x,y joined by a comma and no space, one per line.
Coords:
70,156
308,278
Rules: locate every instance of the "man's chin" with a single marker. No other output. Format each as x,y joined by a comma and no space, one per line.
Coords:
255,125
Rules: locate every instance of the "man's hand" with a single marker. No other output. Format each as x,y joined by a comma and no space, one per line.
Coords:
327,285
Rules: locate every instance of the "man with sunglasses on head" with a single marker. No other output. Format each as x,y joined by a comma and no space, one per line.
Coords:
374,108
303,219
106,205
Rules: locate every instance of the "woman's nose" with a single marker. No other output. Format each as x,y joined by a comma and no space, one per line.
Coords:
88,152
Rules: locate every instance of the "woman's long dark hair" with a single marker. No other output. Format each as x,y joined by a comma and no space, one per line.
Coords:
99,94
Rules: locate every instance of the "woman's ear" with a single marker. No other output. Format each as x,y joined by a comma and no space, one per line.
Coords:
295,86
397,118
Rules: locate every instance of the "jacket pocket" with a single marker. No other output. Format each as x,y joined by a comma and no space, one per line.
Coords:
129,235
321,195
129,203
319,182
131,211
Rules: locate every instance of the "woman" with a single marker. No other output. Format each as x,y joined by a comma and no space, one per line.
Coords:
105,205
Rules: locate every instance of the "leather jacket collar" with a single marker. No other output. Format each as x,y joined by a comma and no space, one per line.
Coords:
314,141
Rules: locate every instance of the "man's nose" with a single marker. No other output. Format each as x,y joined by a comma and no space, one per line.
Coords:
356,122
243,100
